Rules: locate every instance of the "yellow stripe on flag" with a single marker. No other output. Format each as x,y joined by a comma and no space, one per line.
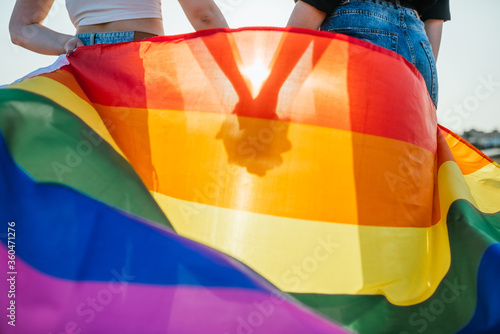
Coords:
303,256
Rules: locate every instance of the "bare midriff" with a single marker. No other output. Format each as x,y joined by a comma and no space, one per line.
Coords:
150,25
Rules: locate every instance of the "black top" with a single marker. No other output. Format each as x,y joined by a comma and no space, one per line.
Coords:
428,9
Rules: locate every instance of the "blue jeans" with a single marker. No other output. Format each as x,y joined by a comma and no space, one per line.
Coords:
390,26
92,38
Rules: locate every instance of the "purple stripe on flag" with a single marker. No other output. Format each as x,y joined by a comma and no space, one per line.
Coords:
49,305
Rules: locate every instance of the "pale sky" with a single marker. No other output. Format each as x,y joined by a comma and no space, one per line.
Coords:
468,64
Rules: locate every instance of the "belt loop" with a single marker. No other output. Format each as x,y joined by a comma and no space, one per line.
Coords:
92,38
416,13
398,4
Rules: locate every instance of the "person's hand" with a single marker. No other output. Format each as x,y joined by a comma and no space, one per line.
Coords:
72,44
254,142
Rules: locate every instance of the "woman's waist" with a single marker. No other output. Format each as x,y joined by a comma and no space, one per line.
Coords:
153,26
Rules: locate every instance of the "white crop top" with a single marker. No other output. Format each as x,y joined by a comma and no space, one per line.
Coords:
85,12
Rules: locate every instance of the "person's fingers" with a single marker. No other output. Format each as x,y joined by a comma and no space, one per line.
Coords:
72,44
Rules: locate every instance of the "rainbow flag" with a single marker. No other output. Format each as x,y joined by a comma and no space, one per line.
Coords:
313,158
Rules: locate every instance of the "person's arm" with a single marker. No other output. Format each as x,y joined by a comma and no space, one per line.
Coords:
306,16
26,29
434,30
203,14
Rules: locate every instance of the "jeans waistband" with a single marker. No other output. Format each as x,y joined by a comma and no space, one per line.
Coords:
394,3
91,38
406,4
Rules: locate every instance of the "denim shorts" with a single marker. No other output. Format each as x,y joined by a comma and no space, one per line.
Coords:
391,26
92,38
